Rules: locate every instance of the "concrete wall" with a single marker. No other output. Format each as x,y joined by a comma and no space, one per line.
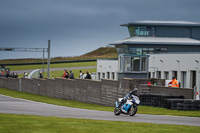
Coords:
104,92
187,93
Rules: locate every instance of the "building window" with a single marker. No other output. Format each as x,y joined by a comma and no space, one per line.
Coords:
144,51
108,75
166,75
113,75
159,74
174,74
135,63
145,31
144,64
103,75
99,76
127,64
183,79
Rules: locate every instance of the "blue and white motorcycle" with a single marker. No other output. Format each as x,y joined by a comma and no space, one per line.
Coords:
129,107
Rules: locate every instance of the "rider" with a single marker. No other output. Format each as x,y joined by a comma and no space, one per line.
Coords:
133,92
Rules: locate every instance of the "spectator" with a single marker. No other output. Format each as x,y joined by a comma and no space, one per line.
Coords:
71,76
25,75
65,71
12,75
40,75
81,75
175,82
88,76
2,72
52,76
16,75
7,74
66,75
155,83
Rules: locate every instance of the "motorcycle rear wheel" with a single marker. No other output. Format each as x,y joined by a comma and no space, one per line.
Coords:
117,111
133,110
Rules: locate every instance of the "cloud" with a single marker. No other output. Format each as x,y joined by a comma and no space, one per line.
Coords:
87,24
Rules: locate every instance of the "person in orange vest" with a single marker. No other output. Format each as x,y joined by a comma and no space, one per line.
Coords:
65,71
174,82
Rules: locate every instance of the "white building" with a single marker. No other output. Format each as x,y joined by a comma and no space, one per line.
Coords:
157,49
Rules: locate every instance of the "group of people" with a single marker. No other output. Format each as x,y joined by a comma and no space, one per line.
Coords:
12,75
70,75
85,76
66,75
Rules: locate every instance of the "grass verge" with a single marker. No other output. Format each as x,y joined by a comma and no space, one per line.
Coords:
59,65
58,74
76,104
11,123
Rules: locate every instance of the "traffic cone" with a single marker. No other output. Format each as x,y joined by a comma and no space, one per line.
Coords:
197,95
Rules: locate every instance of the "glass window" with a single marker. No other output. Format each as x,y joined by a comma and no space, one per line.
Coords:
113,75
99,75
135,63
127,64
132,31
144,64
135,51
108,75
142,31
166,75
103,75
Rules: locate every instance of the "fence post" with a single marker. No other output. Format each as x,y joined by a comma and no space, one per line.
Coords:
20,84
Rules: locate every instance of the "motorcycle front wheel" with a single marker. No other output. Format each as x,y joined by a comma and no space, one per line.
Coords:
133,110
117,111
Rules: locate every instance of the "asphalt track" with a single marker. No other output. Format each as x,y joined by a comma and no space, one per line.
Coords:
21,106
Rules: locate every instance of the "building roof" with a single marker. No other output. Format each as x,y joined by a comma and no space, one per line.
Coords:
162,23
157,40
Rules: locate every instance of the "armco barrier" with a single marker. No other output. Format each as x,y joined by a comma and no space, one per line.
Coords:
104,92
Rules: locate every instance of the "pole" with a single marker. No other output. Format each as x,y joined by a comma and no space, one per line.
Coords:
48,65
43,63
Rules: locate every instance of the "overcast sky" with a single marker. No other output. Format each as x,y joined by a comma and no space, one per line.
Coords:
76,27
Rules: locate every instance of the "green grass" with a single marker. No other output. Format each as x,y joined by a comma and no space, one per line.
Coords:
58,74
59,65
11,123
71,103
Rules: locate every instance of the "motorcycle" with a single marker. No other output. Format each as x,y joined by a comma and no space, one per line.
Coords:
129,107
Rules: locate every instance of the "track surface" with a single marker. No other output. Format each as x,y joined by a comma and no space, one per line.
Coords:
21,106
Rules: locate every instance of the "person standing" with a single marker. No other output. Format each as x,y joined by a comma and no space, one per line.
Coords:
71,76
7,74
174,82
66,75
25,75
40,75
81,75
88,76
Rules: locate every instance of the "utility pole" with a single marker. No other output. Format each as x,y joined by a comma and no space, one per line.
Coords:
48,61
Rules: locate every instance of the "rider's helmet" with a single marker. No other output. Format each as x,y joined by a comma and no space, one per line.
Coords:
134,91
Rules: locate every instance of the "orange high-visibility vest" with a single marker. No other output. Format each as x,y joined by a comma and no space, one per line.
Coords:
175,83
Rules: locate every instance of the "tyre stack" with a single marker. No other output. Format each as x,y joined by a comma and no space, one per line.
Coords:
195,105
187,105
175,103
164,103
180,105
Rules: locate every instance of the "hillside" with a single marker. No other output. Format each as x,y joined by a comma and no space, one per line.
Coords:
102,52
106,52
